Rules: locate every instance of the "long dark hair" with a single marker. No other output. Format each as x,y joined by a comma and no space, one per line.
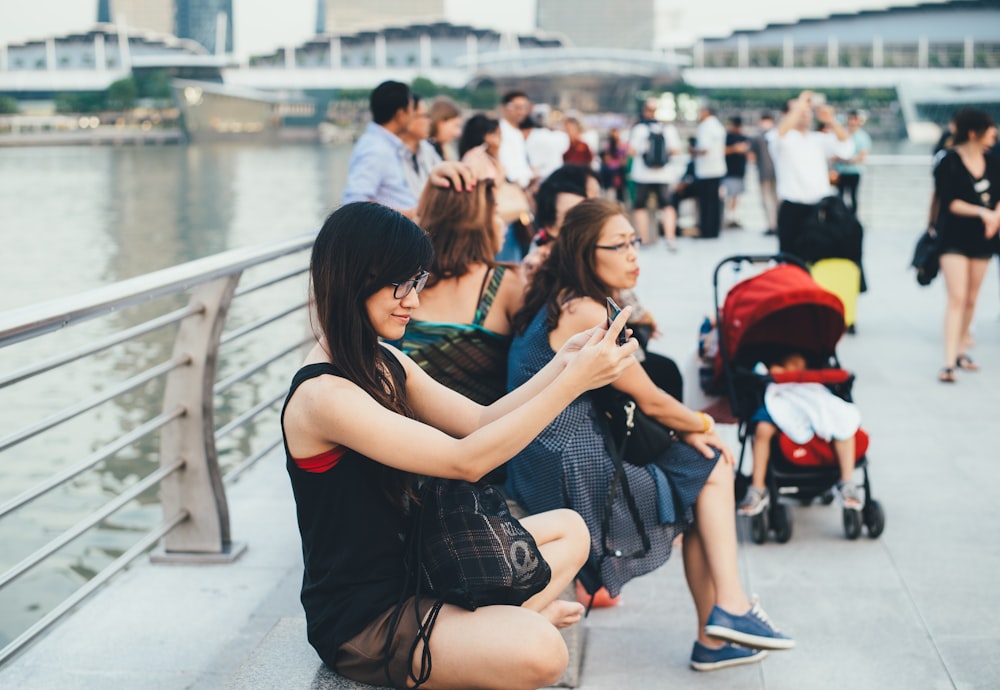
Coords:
570,271
361,248
475,131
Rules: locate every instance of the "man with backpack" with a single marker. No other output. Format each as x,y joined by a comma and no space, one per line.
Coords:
654,146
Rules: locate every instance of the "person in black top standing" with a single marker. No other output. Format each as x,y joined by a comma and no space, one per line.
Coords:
362,422
738,149
967,185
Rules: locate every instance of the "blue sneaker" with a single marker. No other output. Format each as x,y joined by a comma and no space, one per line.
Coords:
707,659
752,629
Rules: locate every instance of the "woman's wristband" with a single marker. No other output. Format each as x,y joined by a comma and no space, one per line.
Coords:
709,423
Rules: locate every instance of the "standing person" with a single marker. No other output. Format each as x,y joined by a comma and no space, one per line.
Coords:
849,170
568,463
737,150
421,157
446,125
654,146
761,148
800,162
967,186
709,169
578,151
614,158
362,422
514,109
375,172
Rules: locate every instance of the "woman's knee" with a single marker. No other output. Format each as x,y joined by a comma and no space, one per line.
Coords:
576,533
545,656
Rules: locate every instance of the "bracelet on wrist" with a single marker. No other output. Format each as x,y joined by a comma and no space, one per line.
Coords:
708,422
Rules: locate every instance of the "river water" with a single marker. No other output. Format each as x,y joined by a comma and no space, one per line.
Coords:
76,218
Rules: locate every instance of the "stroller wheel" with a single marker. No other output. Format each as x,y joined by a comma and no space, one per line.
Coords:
781,523
852,523
758,528
874,518
826,498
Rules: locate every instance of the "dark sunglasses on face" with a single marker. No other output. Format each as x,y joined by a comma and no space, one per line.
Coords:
402,289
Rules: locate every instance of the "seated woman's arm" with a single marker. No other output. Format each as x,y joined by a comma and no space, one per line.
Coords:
328,411
455,414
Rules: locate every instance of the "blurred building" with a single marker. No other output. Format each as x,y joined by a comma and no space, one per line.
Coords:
208,22
346,16
151,15
622,24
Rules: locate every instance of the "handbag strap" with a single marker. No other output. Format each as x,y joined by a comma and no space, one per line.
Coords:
617,453
414,567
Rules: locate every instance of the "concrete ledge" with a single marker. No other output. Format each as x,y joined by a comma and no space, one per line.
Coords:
284,659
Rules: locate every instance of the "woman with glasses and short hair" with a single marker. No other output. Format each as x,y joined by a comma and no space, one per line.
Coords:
687,489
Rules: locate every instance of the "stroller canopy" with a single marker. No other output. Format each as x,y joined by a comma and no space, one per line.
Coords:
782,306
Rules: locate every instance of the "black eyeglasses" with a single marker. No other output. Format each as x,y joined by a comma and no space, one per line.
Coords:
621,247
403,288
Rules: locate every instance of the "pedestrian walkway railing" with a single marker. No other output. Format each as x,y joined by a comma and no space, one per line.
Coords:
174,380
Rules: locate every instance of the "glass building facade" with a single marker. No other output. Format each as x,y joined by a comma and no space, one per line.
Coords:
199,21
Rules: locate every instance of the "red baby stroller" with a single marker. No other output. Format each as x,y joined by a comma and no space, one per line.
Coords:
783,307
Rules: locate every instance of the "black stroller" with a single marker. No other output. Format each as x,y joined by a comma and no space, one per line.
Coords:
783,307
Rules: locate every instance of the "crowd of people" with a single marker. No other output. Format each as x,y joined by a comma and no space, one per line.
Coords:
460,310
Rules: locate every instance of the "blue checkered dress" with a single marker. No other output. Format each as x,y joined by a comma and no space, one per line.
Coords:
568,466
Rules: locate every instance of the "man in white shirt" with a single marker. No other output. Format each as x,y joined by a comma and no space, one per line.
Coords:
709,169
801,162
514,108
654,180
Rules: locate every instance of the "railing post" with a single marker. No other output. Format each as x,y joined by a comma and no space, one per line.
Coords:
198,488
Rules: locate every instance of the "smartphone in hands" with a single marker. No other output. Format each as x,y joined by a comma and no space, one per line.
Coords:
613,311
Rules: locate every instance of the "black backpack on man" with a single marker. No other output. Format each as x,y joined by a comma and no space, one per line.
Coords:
657,154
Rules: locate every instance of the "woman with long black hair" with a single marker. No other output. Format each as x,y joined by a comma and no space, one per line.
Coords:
362,422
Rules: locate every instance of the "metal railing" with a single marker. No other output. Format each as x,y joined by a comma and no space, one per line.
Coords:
227,330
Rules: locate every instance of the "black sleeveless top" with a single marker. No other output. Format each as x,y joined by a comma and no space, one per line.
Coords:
352,538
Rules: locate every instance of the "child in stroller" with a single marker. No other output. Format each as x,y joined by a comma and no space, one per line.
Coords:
781,316
805,410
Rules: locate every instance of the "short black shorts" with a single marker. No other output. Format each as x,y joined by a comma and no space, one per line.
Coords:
643,190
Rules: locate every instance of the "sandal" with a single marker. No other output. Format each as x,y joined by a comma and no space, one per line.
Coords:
965,362
946,375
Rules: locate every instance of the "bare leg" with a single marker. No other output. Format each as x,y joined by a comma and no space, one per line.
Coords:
844,450
955,269
670,223
640,216
977,271
700,584
467,651
564,540
715,531
762,436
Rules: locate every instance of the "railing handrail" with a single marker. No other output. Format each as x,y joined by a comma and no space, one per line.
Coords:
190,478
31,321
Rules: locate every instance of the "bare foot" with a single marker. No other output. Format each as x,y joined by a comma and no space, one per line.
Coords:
562,613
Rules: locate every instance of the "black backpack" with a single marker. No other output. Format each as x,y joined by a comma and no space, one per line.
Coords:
657,154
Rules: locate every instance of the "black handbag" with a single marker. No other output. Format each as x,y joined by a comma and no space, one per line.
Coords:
646,438
927,256
471,551
465,548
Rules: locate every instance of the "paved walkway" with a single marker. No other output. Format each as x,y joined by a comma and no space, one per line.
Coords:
914,609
